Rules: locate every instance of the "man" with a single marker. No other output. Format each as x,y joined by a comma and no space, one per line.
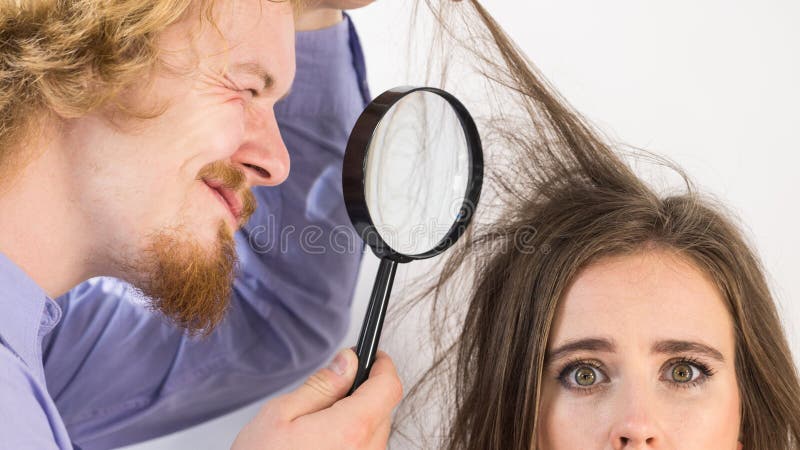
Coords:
131,134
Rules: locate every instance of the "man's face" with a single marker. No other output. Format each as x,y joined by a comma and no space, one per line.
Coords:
163,196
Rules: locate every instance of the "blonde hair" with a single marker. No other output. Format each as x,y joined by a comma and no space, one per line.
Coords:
69,58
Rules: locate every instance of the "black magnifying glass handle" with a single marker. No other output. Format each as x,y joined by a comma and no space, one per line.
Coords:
373,321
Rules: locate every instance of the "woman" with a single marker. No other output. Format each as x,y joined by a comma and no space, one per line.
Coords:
602,313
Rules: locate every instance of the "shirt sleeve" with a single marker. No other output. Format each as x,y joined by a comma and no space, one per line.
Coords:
120,374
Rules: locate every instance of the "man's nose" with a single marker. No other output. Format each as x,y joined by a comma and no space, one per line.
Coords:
263,155
635,425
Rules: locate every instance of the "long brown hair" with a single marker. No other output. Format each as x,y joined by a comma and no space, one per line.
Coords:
562,198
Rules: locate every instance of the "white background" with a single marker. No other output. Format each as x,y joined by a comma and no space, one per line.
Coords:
711,84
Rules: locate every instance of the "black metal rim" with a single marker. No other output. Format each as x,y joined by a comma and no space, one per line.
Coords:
353,173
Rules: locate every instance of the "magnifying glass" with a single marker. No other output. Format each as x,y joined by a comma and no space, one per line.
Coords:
411,178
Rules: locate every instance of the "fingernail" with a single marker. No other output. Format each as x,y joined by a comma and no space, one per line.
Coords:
339,364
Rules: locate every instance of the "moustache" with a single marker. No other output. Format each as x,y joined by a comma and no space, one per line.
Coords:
235,180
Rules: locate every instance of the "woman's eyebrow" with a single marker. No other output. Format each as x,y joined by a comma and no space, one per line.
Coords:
594,344
668,347
672,347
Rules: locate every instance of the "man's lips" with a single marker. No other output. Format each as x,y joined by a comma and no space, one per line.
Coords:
228,196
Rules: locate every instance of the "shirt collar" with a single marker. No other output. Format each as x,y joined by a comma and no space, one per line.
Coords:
26,314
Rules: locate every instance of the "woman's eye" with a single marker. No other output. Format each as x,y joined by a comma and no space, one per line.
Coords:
685,372
682,373
583,376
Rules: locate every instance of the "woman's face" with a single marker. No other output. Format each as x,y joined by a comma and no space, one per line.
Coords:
641,356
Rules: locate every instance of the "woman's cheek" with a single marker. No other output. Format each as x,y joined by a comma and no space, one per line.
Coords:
724,415
710,419
569,422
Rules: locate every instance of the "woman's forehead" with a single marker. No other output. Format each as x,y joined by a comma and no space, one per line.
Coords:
644,297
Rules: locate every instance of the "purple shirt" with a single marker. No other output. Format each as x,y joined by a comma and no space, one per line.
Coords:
96,369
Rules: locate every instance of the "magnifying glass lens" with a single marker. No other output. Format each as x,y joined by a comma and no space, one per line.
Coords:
416,173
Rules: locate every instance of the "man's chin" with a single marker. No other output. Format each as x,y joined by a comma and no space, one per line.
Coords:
187,282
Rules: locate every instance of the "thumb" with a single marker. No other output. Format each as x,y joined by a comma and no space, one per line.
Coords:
321,390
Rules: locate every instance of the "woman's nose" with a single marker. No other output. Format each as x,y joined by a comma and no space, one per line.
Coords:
263,155
633,434
635,425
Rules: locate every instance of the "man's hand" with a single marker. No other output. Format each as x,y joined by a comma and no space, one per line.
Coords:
319,14
317,416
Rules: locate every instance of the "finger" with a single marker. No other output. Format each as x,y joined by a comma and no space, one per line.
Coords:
320,390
